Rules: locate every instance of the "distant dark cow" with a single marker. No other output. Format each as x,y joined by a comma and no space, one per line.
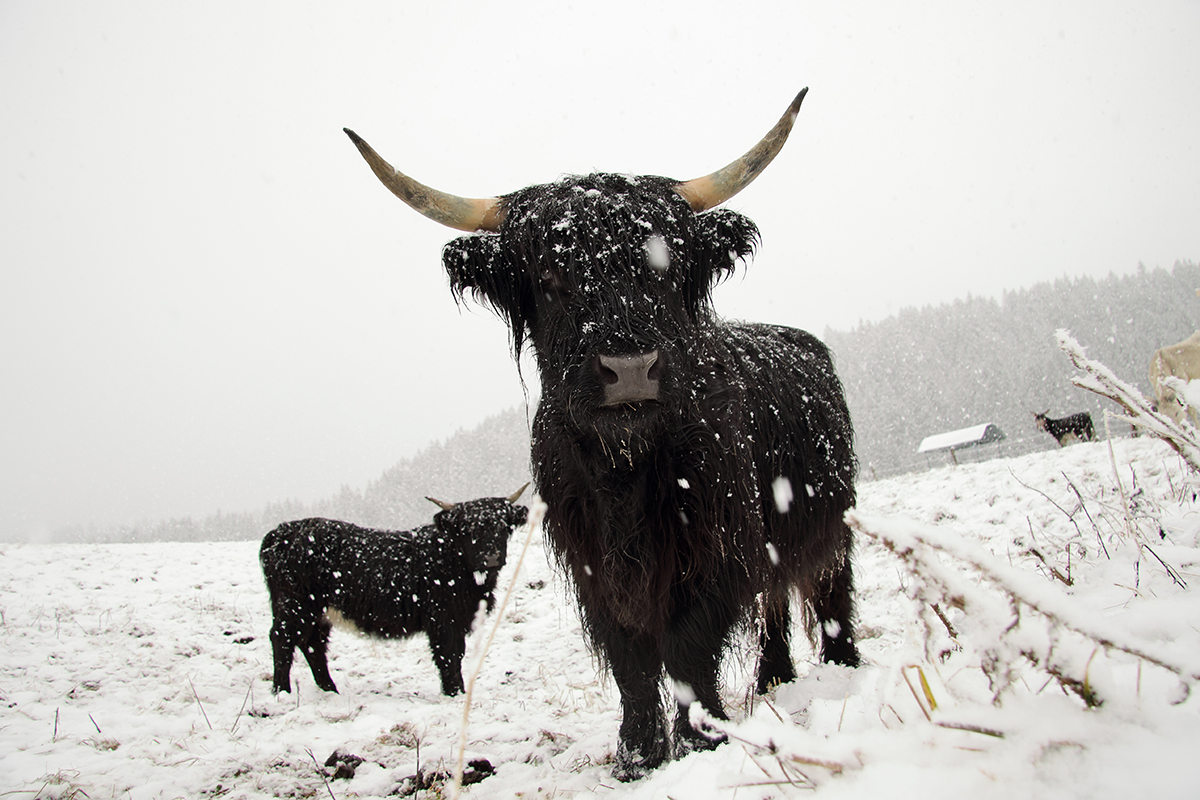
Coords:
1180,361
1068,429
695,471
389,583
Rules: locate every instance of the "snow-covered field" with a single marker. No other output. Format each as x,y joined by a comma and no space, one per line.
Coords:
143,671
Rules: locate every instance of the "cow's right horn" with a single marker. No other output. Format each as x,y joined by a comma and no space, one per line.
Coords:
714,189
515,496
460,213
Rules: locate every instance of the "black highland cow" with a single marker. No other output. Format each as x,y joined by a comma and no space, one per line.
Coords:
388,583
695,471
1076,427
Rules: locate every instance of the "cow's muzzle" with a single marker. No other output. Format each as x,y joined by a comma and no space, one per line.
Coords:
630,379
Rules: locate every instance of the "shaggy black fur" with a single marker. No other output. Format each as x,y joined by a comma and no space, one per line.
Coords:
664,511
389,583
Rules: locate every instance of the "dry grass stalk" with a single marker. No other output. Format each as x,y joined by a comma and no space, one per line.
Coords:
536,512
241,710
321,772
928,692
1069,515
963,726
788,761
197,696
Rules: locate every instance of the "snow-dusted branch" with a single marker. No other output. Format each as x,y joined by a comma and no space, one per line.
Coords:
997,615
1101,380
801,759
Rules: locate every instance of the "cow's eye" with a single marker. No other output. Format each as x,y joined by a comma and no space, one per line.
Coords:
551,282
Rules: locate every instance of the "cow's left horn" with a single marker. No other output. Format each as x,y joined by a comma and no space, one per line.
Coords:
461,213
512,498
443,505
712,190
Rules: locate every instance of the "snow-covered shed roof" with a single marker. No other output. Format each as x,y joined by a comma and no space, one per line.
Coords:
966,437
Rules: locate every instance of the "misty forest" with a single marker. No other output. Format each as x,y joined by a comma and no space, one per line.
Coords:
921,372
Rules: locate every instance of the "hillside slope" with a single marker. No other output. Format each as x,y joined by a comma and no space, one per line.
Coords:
142,670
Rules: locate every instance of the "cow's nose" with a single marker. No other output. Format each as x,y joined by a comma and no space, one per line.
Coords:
630,379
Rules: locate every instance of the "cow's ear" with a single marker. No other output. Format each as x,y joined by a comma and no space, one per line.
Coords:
477,264
448,523
721,239
728,237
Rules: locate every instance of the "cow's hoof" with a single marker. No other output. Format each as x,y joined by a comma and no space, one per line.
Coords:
769,681
841,651
632,764
692,740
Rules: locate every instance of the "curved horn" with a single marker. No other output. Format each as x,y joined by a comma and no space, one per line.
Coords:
461,213
444,506
712,190
512,498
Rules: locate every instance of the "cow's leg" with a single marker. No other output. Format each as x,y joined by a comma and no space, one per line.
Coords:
692,652
833,603
637,669
775,659
316,651
448,645
282,651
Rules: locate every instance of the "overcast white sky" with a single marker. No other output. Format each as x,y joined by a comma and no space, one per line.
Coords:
207,301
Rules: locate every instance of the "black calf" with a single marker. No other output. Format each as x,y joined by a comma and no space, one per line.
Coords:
392,584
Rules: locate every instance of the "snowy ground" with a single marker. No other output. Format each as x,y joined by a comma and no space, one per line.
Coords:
143,670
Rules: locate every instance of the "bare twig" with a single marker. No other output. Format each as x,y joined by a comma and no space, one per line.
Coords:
197,696
245,700
1175,576
1048,497
321,772
1083,505
917,697
964,726
1033,551
937,609
1112,457
700,717
1070,516
773,711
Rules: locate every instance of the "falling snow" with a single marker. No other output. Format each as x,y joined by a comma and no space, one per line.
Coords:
782,487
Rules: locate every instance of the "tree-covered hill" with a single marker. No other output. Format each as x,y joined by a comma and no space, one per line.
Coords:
921,372
490,460
937,369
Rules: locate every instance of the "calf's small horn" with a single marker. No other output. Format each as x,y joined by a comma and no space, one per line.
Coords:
712,190
460,213
444,506
512,498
